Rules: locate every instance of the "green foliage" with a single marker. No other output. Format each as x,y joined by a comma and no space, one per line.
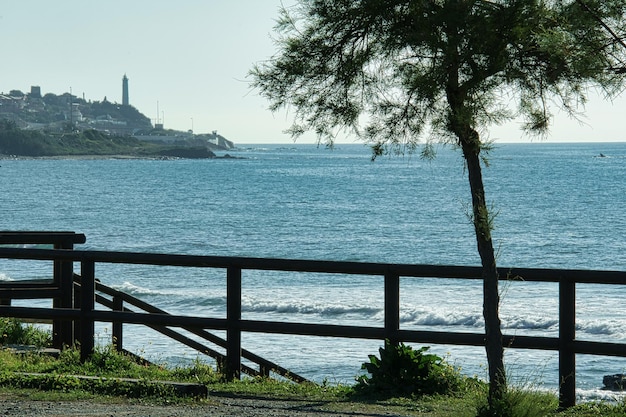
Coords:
398,72
13,331
106,366
520,400
54,108
401,370
15,141
107,361
101,386
198,372
594,409
268,387
395,72
58,383
525,403
105,108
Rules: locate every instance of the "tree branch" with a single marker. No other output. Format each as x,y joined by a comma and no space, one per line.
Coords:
614,35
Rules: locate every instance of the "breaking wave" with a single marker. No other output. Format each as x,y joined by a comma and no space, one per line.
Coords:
335,310
299,307
530,323
136,290
182,298
429,318
609,327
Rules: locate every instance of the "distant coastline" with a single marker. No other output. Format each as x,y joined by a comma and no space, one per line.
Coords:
105,157
36,125
16,142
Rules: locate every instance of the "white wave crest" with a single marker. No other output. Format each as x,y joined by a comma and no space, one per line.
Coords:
530,323
5,277
474,320
608,327
587,395
133,289
193,300
301,307
430,318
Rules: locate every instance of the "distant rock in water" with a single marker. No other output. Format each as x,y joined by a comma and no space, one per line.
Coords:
188,152
615,382
229,156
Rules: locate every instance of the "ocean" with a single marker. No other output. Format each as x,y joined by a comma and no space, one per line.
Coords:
556,205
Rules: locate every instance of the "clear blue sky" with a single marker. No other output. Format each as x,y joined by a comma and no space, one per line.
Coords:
190,56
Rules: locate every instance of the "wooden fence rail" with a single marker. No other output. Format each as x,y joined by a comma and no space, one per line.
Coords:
85,313
117,302
62,330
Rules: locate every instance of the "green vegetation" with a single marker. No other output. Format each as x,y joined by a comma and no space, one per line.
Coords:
53,108
434,388
19,142
105,108
401,370
13,331
398,74
57,381
107,362
46,373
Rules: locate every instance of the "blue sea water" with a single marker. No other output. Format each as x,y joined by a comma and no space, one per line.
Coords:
557,205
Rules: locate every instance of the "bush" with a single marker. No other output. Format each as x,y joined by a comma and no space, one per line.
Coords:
520,403
404,371
13,331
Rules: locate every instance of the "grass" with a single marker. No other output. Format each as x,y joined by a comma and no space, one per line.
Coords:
106,362
58,384
13,331
56,381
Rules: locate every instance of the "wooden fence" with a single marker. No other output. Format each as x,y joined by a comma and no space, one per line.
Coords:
84,314
59,289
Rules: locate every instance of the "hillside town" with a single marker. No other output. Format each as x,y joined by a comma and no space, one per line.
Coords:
50,113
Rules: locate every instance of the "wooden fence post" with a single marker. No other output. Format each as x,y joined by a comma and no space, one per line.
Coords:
392,307
87,304
117,326
567,335
62,330
264,371
77,302
233,317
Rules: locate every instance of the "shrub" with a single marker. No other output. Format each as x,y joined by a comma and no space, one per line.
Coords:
401,370
520,403
13,331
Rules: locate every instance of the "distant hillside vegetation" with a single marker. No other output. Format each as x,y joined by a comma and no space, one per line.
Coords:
54,125
31,143
53,108
106,109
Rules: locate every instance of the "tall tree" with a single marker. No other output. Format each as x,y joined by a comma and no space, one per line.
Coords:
402,72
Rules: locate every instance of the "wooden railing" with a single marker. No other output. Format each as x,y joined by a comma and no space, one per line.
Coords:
58,288
86,315
117,301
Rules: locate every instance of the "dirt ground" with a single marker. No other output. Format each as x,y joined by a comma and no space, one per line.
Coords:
14,406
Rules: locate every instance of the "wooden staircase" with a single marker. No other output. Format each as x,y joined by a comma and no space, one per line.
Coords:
118,301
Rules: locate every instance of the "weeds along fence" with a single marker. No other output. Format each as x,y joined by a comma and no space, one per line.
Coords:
75,318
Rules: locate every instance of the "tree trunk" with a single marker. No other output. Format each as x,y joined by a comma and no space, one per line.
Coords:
491,297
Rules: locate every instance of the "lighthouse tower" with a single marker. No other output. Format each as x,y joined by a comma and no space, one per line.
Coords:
125,91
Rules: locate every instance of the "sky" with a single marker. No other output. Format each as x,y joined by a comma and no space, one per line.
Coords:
190,60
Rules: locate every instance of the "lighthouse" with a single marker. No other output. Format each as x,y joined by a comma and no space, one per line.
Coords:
125,91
